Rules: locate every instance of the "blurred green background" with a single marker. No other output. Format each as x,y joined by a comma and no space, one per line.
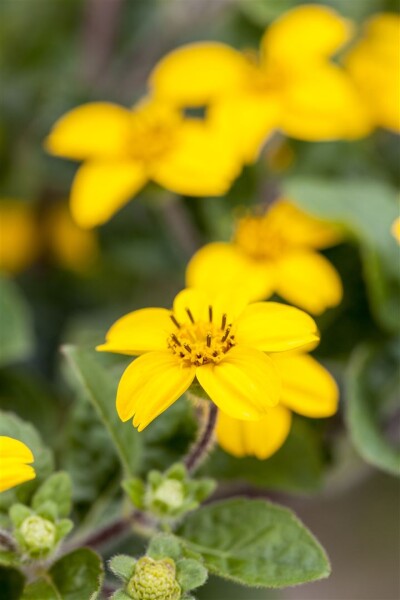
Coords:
56,55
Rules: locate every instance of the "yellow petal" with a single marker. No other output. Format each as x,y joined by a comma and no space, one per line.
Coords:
308,280
256,116
19,236
307,387
300,228
100,189
195,74
222,266
323,104
14,455
198,301
95,130
200,162
274,327
395,229
13,474
138,332
70,246
374,65
254,438
150,385
303,34
11,448
244,385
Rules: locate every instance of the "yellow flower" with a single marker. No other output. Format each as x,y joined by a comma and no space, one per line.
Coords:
270,253
19,240
69,246
396,229
293,85
15,457
221,340
307,389
374,63
123,149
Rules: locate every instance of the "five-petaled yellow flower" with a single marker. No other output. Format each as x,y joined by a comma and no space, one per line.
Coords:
15,459
221,340
374,64
273,252
292,85
307,389
123,149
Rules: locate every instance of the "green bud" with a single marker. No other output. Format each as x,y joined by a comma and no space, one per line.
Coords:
171,493
154,580
38,534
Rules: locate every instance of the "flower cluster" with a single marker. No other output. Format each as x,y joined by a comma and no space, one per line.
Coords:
294,85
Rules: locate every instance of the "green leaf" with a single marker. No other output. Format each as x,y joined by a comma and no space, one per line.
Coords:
41,590
255,543
372,389
9,558
16,330
56,489
78,575
190,574
366,209
97,378
296,467
14,427
11,583
122,566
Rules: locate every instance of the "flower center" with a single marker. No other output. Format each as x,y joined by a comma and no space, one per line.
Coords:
259,239
200,342
151,132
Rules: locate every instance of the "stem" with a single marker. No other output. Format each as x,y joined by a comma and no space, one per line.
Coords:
205,440
112,530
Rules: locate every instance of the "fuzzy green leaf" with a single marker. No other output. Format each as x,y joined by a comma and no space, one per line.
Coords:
56,489
78,575
255,543
372,390
41,590
101,388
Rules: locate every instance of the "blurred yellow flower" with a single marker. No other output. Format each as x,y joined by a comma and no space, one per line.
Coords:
19,241
274,252
307,389
68,245
396,229
293,85
15,459
123,149
374,64
221,340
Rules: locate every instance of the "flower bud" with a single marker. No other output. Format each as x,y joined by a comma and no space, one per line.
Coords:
37,533
170,493
154,580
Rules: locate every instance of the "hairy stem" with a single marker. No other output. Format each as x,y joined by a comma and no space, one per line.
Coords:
205,439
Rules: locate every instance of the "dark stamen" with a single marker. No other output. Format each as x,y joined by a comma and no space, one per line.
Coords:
226,334
208,340
187,347
223,322
175,339
210,313
189,314
175,322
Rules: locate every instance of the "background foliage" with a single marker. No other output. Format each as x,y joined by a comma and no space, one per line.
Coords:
56,55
